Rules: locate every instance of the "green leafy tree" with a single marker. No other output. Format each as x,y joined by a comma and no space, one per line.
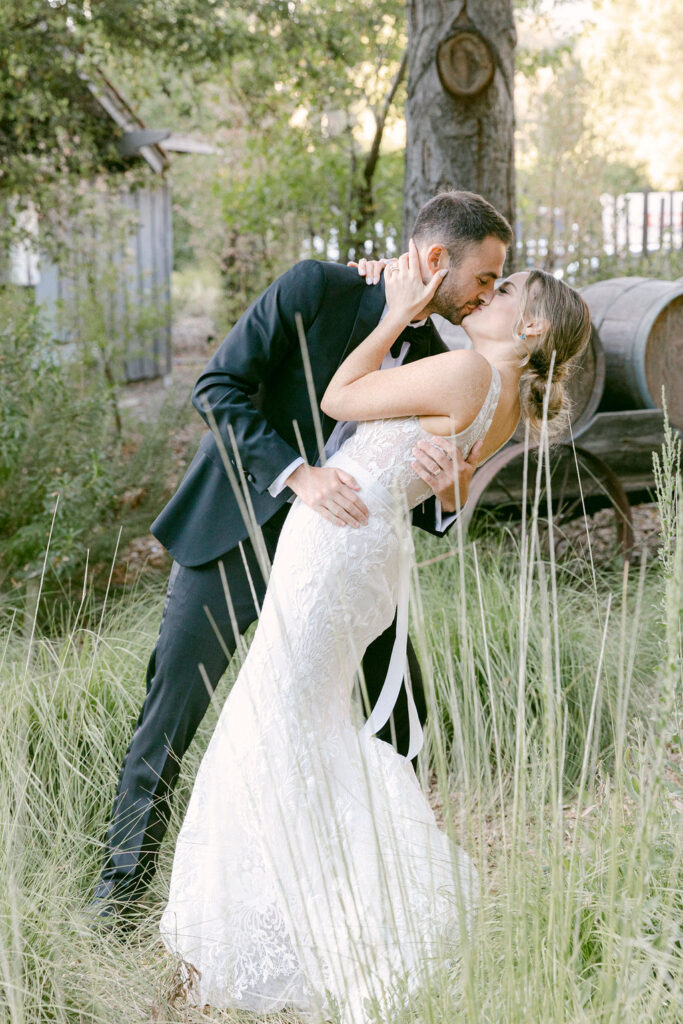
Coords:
562,165
50,124
315,108
338,61
309,140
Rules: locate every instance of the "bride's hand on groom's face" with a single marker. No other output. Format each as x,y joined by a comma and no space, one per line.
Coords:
408,295
406,292
441,465
331,493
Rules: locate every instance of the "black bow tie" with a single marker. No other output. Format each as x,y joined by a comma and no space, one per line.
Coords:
418,339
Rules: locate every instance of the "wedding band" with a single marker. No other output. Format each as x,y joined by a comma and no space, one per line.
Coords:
436,471
392,267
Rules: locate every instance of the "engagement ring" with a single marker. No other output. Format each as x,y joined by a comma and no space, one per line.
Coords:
439,448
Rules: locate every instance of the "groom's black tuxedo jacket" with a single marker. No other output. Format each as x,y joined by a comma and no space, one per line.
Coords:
255,384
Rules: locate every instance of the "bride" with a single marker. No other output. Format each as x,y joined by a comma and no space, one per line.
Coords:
315,876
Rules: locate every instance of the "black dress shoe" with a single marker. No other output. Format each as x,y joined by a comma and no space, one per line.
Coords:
107,913
108,916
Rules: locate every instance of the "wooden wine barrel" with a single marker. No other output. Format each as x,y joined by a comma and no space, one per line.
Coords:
586,383
640,323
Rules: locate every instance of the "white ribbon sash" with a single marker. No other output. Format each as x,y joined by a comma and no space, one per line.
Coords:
397,672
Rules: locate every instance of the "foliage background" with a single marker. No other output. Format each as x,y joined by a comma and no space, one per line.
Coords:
303,105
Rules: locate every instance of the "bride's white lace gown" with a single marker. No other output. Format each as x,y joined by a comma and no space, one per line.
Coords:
309,870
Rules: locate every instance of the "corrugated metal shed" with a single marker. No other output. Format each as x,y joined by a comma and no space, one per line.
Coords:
127,246
136,263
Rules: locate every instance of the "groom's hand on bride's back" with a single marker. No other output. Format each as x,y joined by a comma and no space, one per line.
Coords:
440,464
331,492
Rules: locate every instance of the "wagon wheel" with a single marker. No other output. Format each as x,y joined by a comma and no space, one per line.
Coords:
581,485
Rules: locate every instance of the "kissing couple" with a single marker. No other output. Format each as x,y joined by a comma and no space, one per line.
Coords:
309,871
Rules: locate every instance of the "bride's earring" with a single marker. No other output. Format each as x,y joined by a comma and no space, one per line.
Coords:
522,349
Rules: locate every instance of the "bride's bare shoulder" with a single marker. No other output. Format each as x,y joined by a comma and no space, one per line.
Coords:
466,368
462,378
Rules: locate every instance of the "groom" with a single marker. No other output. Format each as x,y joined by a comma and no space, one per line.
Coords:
254,393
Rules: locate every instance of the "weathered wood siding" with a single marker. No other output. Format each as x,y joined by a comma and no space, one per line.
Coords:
136,265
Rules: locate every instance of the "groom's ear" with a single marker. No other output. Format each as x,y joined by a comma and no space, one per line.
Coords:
434,258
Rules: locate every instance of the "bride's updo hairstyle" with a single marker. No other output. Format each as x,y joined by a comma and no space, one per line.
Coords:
544,297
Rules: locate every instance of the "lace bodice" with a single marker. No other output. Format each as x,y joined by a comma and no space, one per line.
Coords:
384,447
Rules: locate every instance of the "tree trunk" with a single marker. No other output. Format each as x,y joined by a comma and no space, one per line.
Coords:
460,141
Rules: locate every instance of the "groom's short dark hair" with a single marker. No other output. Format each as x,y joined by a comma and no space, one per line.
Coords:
458,220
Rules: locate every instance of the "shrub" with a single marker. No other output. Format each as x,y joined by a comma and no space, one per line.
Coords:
63,454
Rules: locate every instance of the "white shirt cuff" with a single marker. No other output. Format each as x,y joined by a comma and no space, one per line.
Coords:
442,522
280,481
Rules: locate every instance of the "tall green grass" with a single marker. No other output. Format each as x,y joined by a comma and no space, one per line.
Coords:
553,757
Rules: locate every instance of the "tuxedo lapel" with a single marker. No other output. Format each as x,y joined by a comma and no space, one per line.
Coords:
369,311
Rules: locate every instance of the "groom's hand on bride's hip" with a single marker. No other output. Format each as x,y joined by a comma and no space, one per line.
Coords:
331,492
441,465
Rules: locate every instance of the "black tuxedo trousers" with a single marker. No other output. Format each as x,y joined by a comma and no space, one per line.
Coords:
257,391
179,692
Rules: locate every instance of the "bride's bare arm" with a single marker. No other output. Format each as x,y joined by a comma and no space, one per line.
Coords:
450,384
